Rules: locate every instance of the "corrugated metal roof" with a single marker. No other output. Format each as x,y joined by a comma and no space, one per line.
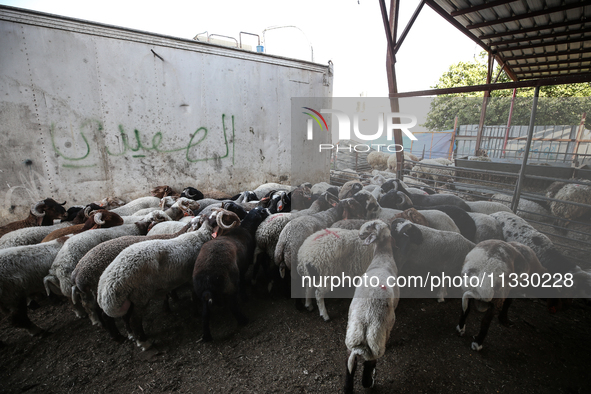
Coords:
532,38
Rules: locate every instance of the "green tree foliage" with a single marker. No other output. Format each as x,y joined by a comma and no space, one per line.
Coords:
558,105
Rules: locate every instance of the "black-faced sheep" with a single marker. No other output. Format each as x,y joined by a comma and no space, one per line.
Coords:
42,213
424,248
220,268
488,270
372,310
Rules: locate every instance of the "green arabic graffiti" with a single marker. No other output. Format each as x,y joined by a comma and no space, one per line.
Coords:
196,138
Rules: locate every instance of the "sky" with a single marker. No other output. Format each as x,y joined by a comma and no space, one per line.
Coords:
350,33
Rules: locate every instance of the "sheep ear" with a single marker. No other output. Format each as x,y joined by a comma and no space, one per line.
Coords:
402,243
371,238
416,236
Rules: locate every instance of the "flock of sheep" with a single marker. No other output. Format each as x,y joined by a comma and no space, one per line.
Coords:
110,259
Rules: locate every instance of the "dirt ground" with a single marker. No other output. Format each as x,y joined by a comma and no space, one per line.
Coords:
283,350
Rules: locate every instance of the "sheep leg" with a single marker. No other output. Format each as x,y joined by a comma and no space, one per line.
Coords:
235,308
503,315
309,296
369,373
484,325
205,316
321,306
350,376
20,319
137,328
461,327
108,324
80,311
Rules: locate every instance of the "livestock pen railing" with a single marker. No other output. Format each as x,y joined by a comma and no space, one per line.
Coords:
571,234
550,144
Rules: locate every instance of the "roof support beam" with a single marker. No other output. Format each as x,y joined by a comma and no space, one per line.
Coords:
552,54
530,14
554,63
532,29
412,20
541,37
568,79
480,7
542,44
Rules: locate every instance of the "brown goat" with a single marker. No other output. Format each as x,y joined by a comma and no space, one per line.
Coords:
110,203
97,219
42,213
164,191
414,216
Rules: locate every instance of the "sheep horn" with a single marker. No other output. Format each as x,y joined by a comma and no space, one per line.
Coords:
97,219
35,209
187,191
162,202
404,199
64,203
220,221
87,211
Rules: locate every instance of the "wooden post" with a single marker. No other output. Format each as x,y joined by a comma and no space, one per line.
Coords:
579,134
509,122
431,148
453,139
390,24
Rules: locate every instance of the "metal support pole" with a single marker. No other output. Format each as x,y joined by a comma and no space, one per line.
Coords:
530,133
509,122
484,103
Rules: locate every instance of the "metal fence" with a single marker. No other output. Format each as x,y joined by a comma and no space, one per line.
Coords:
571,234
550,144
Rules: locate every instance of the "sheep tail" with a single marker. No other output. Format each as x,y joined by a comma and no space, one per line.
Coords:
50,279
207,297
466,298
351,361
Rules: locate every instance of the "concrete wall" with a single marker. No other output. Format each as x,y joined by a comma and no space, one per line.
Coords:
89,111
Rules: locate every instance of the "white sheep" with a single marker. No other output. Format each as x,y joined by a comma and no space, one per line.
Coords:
526,209
146,269
488,269
329,253
139,203
86,275
268,232
378,160
487,227
59,279
265,188
440,173
22,269
571,192
487,207
421,247
168,227
392,163
29,235
372,310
